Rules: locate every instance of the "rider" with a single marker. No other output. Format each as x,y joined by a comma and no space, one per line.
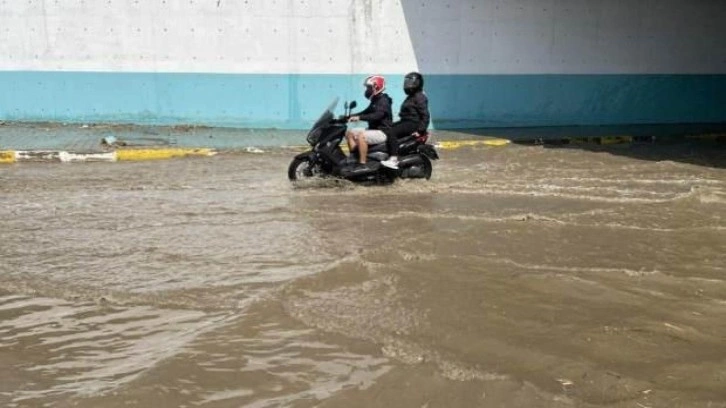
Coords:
414,116
378,114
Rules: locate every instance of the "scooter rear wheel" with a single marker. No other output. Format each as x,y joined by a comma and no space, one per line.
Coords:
427,167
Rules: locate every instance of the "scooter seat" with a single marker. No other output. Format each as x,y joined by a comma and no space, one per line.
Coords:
410,138
378,156
380,147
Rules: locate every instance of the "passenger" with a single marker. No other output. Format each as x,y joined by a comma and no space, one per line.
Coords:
378,114
414,116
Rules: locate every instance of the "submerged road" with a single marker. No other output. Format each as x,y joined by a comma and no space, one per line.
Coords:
517,276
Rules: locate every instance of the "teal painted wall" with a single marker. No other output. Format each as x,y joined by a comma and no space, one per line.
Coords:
293,101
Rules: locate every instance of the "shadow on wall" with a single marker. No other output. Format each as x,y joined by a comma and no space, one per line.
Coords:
470,50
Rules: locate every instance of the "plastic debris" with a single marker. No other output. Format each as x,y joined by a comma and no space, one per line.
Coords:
112,141
109,140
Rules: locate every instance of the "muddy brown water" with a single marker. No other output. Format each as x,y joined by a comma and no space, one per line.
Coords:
519,276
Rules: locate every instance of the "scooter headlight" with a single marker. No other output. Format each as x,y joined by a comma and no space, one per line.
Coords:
314,136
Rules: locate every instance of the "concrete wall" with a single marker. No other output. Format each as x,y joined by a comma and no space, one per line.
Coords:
276,63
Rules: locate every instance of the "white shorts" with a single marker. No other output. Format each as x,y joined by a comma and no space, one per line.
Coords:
372,136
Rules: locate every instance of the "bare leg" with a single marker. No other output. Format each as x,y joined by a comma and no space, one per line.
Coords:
362,148
350,138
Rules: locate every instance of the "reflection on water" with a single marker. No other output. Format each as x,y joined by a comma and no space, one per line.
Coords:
518,276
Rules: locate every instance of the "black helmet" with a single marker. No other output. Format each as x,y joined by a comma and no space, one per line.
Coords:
412,83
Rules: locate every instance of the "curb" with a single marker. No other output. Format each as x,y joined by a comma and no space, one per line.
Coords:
147,154
7,157
716,137
16,156
605,140
457,144
150,152
597,140
61,156
160,154
620,140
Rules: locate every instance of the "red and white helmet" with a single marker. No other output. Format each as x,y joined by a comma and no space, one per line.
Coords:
374,84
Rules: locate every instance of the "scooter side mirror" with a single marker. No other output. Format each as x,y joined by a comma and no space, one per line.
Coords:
345,105
353,104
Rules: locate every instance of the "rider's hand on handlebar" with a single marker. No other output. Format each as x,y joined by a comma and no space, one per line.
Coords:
353,119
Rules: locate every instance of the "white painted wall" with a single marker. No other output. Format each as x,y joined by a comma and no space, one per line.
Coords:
229,36
362,36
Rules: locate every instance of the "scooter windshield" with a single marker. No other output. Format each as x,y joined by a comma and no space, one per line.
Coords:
327,115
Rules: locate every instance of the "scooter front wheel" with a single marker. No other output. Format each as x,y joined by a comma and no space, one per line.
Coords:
300,168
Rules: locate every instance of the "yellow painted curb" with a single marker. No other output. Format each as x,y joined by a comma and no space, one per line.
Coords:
616,139
7,157
708,136
159,154
455,144
603,140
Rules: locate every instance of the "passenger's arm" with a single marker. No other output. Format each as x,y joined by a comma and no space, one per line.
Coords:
422,106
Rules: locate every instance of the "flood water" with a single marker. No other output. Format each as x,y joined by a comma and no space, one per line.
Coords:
519,276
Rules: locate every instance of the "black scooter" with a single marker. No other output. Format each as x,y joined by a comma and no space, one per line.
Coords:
326,158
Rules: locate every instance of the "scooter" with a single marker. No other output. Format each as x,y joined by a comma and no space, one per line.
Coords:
327,159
